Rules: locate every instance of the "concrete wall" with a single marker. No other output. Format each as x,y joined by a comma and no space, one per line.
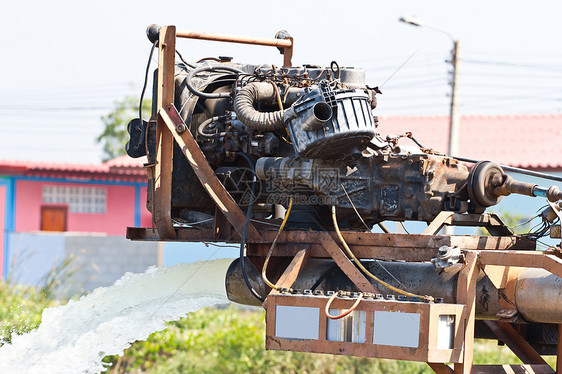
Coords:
98,259
104,259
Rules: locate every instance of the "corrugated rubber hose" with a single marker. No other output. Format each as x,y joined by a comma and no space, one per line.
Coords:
254,119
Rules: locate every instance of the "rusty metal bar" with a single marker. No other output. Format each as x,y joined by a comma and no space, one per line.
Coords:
292,272
512,369
439,368
205,173
270,42
507,334
466,294
491,221
346,265
164,140
559,350
541,260
404,247
438,222
286,43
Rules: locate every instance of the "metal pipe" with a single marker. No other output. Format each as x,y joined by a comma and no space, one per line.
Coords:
270,42
538,293
516,170
538,296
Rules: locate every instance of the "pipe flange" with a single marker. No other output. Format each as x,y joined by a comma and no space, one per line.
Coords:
480,188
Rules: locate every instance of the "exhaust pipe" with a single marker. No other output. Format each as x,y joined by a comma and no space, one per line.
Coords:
536,293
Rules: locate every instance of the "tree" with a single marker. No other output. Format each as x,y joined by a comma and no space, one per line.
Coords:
115,135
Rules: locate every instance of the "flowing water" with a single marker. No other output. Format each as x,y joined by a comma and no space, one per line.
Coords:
74,338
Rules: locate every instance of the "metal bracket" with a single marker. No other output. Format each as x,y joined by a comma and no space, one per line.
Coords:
491,221
205,173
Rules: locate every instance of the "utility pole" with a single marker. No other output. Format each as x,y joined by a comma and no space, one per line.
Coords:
453,147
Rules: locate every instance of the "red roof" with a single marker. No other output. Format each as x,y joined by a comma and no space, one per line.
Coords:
121,168
126,161
527,141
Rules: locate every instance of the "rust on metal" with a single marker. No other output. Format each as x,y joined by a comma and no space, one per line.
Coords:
427,349
229,38
559,351
286,44
512,369
205,173
524,259
523,350
345,265
466,294
292,272
164,148
439,368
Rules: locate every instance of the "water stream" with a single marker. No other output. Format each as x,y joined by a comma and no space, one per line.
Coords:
74,338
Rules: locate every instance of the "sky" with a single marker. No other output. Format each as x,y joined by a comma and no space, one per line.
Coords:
65,63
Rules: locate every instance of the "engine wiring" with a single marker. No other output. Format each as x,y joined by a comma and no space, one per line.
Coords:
270,252
364,269
245,230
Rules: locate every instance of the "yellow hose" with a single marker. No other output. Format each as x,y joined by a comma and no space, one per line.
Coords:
360,265
345,313
264,269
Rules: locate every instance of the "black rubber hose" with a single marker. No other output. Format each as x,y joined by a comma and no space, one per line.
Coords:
249,116
210,68
245,229
204,124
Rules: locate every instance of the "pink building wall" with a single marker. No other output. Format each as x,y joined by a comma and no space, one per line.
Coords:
120,208
146,216
2,225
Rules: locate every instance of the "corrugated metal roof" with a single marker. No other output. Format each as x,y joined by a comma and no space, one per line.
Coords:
126,161
526,141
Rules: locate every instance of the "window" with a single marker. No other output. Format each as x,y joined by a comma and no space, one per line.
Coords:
78,199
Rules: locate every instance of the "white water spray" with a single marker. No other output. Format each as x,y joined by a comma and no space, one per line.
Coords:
74,338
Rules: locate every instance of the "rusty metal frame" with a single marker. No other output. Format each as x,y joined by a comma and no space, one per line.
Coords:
523,350
502,251
205,173
286,44
167,129
429,317
466,293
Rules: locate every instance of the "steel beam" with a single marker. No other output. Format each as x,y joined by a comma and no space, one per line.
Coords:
466,294
522,349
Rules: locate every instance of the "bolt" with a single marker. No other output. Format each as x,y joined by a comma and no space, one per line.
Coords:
180,128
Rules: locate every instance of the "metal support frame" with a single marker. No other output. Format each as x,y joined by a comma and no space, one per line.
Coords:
519,346
164,143
169,126
205,173
491,251
497,253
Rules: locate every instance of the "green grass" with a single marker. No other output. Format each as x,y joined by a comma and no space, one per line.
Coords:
232,340
20,309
